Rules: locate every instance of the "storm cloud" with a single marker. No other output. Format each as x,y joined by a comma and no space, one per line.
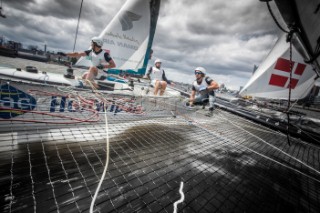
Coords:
226,37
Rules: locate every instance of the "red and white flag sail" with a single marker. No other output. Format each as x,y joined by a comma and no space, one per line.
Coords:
272,79
282,77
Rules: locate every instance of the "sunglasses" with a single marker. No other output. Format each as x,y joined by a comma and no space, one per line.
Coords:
196,73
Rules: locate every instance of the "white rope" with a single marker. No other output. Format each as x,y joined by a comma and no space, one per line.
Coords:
175,205
107,162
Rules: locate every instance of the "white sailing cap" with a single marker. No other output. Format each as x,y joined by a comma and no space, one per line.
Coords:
157,61
98,41
200,69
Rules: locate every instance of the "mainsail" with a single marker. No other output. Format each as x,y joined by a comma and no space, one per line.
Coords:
129,36
303,20
271,79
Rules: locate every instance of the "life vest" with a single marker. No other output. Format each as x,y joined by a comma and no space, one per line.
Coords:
156,74
204,84
97,58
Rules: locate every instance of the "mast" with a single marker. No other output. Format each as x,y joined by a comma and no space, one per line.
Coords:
77,29
154,8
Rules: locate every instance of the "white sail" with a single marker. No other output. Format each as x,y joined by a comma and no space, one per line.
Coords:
271,79
303,17
127,36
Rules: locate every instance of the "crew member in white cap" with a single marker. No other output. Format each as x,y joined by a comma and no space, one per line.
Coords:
202,89
99,58
158,78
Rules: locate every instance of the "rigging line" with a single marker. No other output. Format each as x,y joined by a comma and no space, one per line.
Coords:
292,105
275,161
306,132
75,39
290,86
259,138
274,18
106,101
278,132
260,129
275,132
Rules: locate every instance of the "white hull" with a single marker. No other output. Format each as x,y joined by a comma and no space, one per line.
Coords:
40,77
53,79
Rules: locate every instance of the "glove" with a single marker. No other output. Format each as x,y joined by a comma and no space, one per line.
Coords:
62,54
100,67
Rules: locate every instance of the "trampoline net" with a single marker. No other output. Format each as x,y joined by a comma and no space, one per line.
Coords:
53,151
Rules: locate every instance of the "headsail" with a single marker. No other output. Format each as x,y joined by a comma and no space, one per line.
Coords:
129,36
271,79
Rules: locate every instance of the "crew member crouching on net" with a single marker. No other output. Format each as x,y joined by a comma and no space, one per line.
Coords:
202,89
99,58
158,78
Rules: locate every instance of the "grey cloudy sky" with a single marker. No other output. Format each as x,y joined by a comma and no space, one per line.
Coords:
225,37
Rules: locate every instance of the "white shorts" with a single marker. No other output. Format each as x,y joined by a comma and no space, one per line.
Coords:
153,82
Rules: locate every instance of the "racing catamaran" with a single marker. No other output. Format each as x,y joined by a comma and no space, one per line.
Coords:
70,150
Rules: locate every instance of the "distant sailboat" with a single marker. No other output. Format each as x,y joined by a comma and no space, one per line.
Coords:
129,36
271,79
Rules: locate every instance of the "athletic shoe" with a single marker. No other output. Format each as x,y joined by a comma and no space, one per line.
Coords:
210,113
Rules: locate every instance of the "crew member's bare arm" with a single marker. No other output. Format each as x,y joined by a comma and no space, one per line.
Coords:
111,64
213,85
76,54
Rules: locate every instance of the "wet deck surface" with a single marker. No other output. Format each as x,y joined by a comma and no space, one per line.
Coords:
227,164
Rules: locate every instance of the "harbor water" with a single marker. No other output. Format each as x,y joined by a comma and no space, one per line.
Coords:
41,66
